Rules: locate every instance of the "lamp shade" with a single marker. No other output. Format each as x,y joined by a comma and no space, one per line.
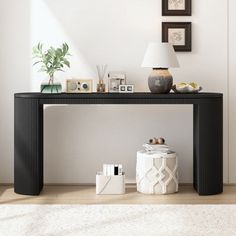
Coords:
160,55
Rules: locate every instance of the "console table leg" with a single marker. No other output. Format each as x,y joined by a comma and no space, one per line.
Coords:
28,143
208,147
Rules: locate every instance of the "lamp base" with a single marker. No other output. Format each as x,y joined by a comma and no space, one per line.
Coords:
160,81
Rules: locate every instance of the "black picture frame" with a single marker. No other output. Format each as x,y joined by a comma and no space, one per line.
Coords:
167,12
187,26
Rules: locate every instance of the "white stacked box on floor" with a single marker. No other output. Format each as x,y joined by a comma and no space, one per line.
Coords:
114,184
156,173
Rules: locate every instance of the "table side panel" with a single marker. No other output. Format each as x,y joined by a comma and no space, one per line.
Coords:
208,147
28,146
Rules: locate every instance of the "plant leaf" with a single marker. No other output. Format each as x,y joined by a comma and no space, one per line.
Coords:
37,62
51,60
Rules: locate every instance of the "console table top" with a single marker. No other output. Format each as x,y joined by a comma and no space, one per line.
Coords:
141,95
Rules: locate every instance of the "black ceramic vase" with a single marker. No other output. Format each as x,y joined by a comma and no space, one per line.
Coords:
160,81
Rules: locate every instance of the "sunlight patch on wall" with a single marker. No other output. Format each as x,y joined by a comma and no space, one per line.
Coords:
46,29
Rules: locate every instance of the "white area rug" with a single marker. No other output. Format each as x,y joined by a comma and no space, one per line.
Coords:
63,220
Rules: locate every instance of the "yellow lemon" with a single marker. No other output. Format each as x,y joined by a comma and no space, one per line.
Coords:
194,85
182,84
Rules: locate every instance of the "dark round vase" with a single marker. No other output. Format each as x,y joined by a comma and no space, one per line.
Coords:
160,81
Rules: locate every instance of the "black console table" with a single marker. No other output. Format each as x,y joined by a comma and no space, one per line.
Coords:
207,138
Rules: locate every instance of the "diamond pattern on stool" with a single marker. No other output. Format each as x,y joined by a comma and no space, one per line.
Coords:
154,175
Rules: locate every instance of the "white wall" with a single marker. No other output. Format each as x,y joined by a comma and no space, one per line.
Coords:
78,139
15,73
232,93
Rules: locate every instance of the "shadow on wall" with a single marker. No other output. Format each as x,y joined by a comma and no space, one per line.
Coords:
109,32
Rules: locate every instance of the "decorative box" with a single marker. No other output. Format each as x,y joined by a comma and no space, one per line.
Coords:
157,173
114,184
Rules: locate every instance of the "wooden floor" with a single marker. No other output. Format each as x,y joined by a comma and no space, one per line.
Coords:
86,195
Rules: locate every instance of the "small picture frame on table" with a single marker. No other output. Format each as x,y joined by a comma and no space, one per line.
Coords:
176,7
179,34
115,79
127,88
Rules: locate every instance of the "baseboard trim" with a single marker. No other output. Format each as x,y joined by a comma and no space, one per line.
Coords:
93,184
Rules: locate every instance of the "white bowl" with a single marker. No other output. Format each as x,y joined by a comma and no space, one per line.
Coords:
186,89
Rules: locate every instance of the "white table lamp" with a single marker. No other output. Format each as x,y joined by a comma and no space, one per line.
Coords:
160,57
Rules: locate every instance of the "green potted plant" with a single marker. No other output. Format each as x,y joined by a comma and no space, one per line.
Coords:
51,61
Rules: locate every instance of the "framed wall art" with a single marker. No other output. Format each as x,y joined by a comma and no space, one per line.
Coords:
179,34
176,7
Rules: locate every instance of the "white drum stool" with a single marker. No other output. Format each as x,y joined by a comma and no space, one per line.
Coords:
156,173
